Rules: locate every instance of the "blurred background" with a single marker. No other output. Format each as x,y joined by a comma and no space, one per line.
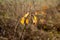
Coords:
29,19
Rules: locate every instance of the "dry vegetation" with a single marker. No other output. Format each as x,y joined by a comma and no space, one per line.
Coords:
29,19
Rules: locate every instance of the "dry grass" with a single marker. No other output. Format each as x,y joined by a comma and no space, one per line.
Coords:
45,14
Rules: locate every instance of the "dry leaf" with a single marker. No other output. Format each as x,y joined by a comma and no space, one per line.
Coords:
35,20
27,21
22,20
26,14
